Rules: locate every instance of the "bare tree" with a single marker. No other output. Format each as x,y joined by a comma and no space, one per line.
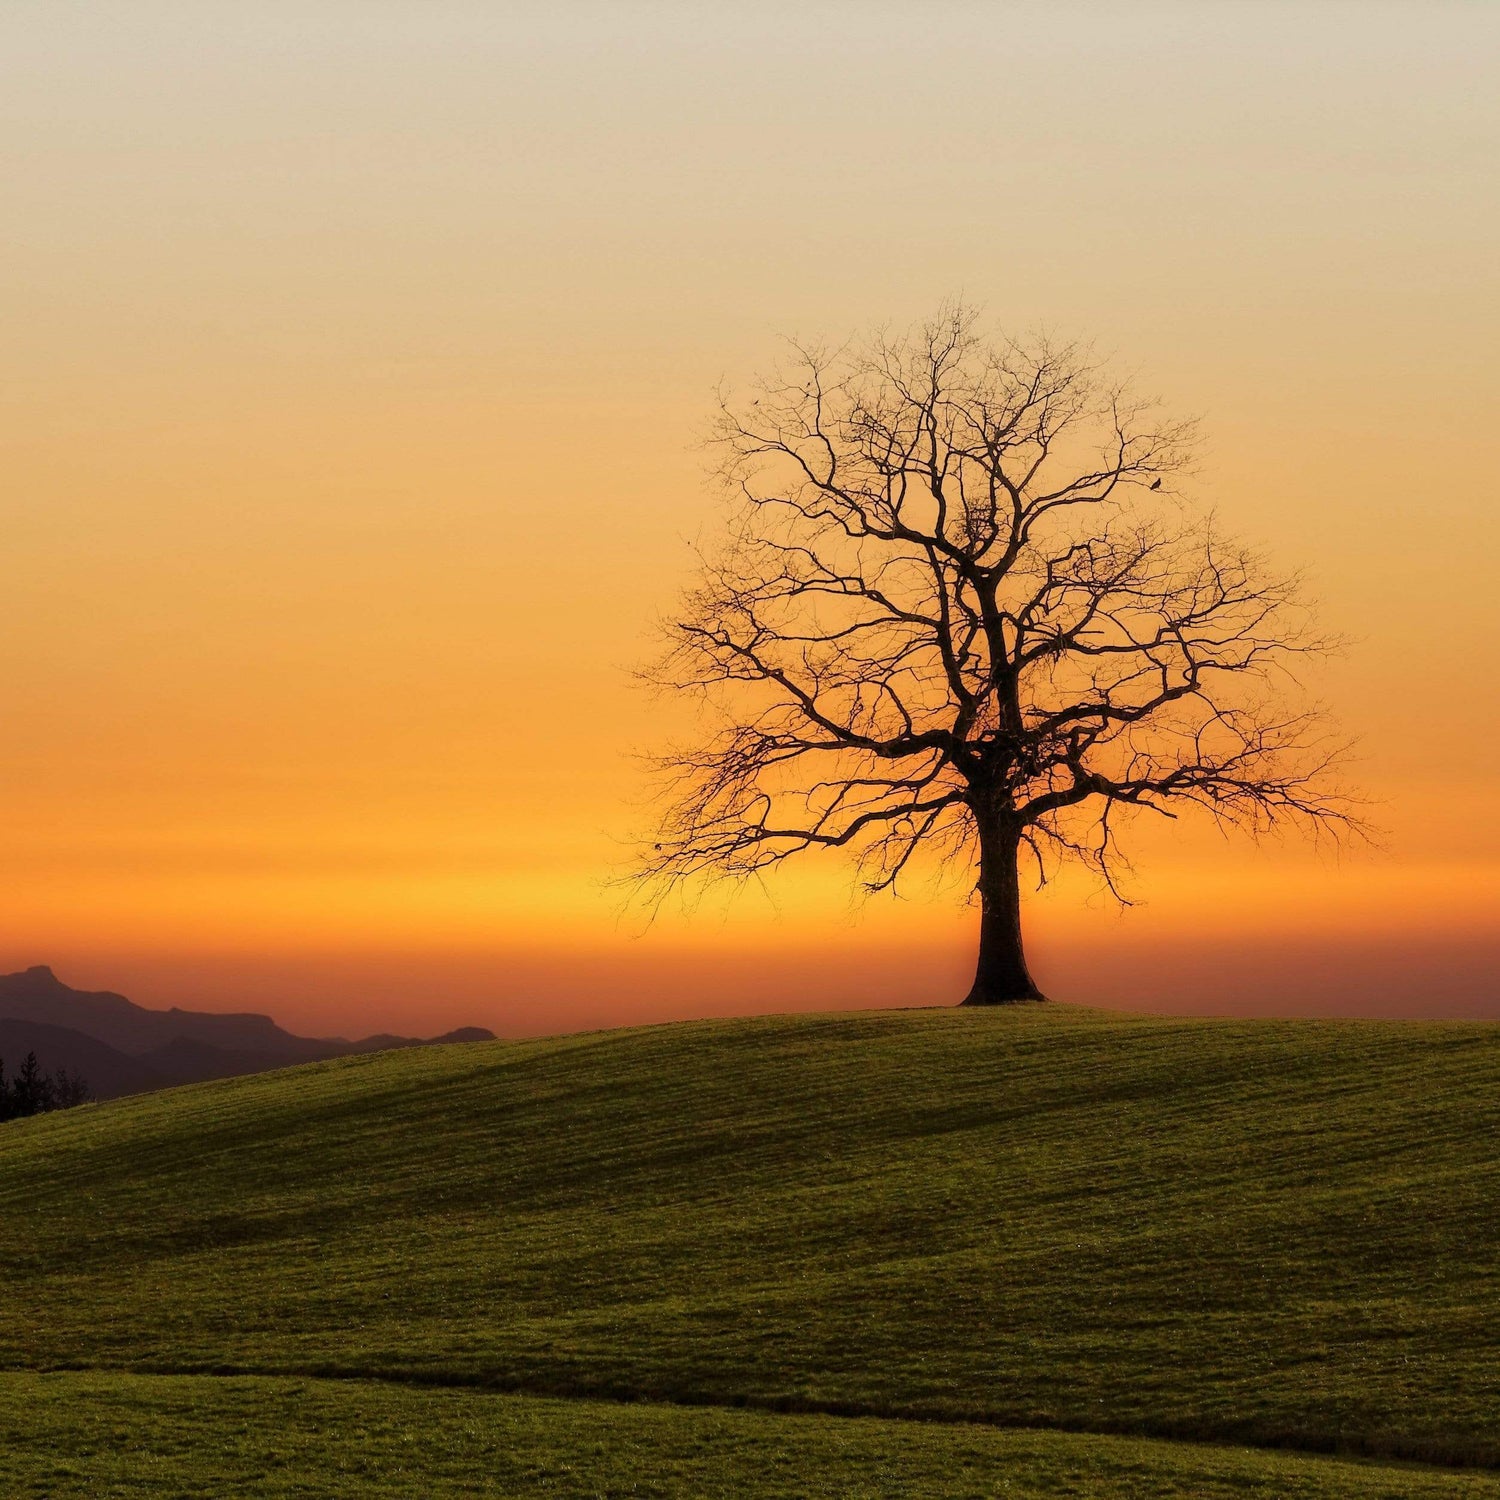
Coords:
959,607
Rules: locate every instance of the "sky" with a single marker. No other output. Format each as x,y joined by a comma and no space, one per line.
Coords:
355,366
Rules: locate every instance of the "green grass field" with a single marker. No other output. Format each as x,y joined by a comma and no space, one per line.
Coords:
128,1435
1041,1228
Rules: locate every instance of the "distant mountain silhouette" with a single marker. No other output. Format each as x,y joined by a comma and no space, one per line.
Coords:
123,1048
107,1071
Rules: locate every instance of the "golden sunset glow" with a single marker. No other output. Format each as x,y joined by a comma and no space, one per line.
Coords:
354,365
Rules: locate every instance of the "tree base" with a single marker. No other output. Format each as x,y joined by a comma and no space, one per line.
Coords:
1030,996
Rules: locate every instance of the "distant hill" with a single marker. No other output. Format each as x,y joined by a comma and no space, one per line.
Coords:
107,1071
120,1047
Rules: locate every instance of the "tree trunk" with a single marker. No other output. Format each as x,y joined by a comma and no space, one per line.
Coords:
1001,977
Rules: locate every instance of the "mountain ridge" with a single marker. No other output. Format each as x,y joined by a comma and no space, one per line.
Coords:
120,1047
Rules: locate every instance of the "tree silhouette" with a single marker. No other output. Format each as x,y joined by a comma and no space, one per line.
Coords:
956,609
33,1092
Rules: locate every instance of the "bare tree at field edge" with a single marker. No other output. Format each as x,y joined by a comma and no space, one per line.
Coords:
959,608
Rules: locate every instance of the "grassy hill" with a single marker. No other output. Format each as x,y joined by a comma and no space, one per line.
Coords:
1278,1234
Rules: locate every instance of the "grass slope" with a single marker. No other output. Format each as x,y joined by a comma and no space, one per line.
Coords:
1262,1232
87,1437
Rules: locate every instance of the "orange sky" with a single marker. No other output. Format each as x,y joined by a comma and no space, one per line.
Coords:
353,358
